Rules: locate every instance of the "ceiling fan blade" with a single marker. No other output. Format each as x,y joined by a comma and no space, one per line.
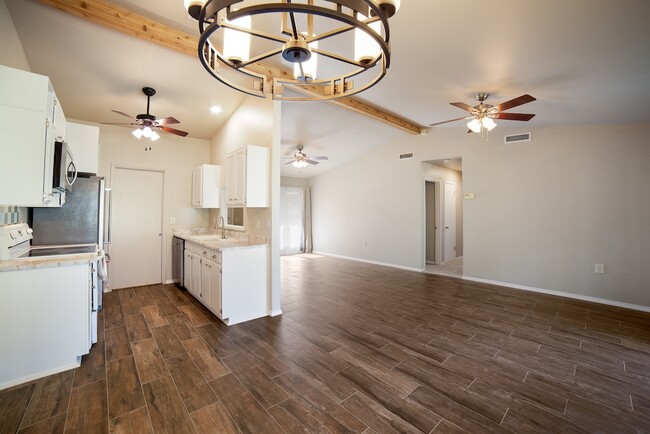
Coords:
514,116
444,122
167,121
116,123
175,131
524,99
290,161
123,114
308,160
462,105
319,158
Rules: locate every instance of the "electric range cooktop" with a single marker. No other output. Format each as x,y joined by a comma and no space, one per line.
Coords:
57,251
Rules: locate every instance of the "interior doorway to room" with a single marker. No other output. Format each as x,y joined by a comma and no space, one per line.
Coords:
136,227
443,232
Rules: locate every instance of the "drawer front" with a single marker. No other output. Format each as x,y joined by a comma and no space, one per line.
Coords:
214,255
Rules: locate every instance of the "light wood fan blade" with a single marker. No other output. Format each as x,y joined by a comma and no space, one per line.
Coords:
168,120
175,131
462,105
514,116
524,99
123,114
445,122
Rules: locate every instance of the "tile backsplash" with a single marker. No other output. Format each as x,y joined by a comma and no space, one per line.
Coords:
12,214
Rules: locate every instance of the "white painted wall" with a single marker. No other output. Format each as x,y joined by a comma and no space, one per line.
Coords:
545,211
289,181
177,156
11,49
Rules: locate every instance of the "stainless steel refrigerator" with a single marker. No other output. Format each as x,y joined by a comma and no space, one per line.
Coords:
79,221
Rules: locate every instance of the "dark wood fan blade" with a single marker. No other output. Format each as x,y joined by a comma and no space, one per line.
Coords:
514,116
290,162
462,105
308,160
524,99
167,121
174,131
469,131
319,158
123,114
445,122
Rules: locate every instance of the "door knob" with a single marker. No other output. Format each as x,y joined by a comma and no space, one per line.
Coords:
446,227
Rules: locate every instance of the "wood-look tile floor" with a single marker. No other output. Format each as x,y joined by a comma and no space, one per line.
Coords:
359,348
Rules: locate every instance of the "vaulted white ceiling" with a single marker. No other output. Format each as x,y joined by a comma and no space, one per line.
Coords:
586,62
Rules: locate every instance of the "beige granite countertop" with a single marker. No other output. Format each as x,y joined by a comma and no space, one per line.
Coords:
212,240
50,261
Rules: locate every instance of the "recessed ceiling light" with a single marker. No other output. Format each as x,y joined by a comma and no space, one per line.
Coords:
215,109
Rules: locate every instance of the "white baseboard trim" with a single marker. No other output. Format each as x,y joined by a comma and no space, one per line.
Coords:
562,294
168,281
385,264
38,375
275,312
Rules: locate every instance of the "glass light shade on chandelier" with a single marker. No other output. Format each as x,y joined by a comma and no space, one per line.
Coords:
299,164
237,44
366,49
477,124
310,67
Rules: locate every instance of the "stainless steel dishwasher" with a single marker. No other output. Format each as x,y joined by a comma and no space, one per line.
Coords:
178,250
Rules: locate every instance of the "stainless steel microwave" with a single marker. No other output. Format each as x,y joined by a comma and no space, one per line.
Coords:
65,171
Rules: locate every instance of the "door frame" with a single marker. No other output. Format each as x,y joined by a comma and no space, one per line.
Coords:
438,207
444,220
116,166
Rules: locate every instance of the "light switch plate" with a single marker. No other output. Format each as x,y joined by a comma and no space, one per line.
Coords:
172,221
469,196
599,268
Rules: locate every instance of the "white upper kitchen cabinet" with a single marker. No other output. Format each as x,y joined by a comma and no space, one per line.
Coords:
205,186
84,143
28,112
247,177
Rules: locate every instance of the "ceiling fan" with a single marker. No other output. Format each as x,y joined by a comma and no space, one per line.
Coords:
147,124
301,160
483,115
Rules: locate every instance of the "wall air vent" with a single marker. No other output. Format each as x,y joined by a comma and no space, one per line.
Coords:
514,138
406,156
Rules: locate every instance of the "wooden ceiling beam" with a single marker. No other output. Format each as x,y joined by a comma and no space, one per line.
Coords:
120,19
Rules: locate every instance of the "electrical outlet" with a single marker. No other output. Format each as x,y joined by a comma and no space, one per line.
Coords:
599,269
172,221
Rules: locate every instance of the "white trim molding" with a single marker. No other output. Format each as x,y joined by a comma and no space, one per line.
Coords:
385,264
562,294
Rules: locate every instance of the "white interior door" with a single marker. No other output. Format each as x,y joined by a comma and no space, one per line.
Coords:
136,226
449,223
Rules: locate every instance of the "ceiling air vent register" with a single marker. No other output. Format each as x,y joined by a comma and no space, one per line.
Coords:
514,138
406,156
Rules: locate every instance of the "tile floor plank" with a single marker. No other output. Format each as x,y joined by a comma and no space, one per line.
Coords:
51,397
194,390
214,419
124,389
166,409
135,422
149,361
13,404
88,411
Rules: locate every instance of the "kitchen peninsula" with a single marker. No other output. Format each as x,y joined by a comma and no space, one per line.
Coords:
228,276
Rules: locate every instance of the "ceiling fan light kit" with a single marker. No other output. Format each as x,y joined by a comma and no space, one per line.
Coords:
482,115
239,23
147,124
300,159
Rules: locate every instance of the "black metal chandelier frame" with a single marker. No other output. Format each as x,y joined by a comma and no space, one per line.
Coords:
261,80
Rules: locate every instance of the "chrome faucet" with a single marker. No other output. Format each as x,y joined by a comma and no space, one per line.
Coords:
223,226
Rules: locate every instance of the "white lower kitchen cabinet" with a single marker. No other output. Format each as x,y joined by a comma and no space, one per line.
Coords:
232,282
45,318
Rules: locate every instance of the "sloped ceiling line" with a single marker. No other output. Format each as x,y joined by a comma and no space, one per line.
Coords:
125,21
